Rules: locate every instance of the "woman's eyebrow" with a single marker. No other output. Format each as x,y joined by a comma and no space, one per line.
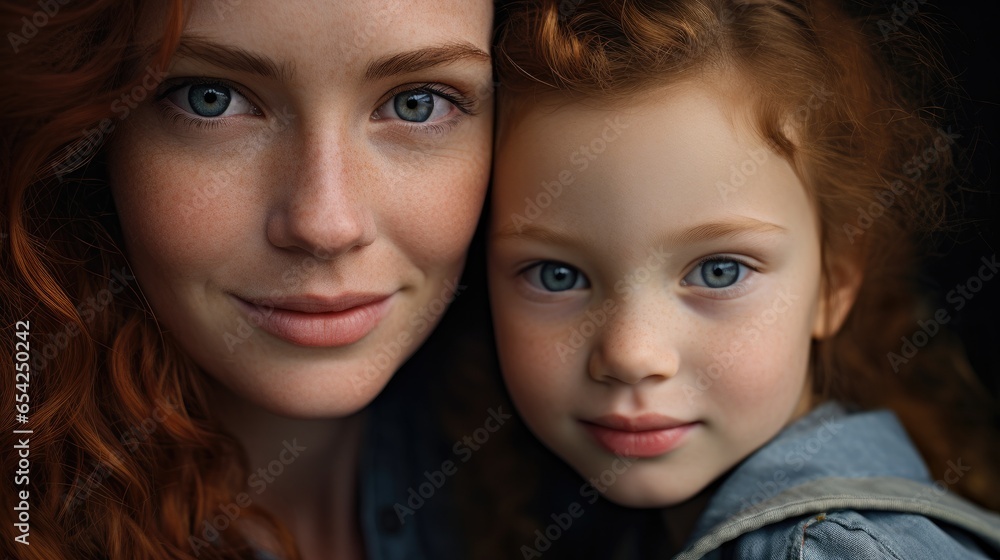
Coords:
420,59
241,60
233,58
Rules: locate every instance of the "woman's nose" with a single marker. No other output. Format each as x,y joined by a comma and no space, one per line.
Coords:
326,207
638,343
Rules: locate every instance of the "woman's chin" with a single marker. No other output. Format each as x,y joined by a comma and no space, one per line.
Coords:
328,394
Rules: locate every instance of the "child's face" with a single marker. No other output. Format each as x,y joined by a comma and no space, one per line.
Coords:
654,300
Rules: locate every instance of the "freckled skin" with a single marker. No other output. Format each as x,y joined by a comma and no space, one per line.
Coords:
312,196
658,178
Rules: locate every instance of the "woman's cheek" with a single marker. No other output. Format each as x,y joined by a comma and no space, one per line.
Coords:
175,212
161,186
439,217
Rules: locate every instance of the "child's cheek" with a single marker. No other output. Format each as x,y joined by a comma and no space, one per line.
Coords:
533,369
763,381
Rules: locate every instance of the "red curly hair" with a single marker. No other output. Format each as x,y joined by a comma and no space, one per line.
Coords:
126,461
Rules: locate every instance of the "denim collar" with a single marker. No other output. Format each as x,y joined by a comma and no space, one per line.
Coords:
827,442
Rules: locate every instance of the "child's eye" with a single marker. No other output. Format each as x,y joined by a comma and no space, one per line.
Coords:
554,276
716,273
210,100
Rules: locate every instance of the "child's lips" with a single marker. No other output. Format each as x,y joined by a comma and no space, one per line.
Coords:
648,435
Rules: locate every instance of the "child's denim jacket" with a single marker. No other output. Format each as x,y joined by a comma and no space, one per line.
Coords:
839,485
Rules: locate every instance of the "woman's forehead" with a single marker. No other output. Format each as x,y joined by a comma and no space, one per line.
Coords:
330,37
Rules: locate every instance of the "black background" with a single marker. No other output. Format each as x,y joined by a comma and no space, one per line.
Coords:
971,49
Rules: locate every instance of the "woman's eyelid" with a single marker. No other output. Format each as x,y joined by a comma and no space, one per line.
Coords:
461,101
173,85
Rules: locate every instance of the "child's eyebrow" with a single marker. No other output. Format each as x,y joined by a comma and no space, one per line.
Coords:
739,225
535,232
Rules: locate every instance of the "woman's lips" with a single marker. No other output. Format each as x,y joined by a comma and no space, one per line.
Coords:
639,437
318,321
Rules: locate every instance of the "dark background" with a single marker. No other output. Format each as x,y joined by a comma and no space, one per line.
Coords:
970,44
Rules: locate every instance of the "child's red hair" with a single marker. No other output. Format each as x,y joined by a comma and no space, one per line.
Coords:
848,102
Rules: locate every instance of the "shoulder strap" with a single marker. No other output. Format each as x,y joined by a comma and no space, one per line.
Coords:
872,494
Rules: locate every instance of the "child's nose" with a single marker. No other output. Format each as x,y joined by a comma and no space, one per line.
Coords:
638,343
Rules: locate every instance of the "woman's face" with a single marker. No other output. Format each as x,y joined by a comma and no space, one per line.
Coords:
298,192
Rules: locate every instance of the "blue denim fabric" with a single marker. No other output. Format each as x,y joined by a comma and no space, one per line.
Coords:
840,485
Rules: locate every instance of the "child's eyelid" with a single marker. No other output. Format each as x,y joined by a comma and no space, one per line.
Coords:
738,285
523,271
729,292
751,263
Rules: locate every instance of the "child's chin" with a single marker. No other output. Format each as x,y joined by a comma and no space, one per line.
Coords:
646,492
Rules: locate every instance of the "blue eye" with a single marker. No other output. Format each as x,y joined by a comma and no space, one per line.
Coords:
717,273
556,277
414,106
208,100
419,105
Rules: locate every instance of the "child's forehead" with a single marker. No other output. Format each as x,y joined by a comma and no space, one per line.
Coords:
674,148
556,114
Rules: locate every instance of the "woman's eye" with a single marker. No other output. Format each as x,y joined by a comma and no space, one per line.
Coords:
209,100
415,106
717,273
556,277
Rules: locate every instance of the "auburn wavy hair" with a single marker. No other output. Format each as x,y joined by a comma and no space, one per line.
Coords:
126,461
850,98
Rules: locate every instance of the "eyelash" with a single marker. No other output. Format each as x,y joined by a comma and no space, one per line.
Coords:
737,289
463,103
452,95
522,273
177,115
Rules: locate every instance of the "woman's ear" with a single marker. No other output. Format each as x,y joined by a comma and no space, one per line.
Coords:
838,291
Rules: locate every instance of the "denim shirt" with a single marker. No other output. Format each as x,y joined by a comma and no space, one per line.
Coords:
840,485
